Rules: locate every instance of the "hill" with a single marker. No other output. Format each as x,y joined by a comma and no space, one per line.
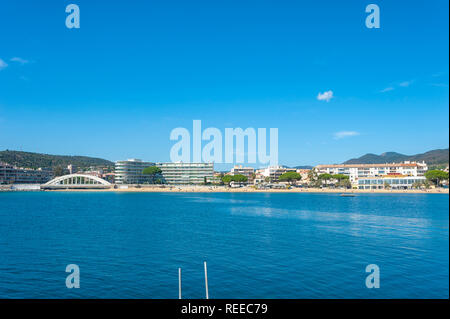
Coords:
36,160
303,167
432,158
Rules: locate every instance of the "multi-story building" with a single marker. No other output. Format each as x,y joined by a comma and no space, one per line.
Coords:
358,171
10,174
130,172
274,172
248,172
393,182
304,173
186,173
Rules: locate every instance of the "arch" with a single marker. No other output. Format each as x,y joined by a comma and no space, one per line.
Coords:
77,180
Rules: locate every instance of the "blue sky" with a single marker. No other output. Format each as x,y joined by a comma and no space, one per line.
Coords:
116,87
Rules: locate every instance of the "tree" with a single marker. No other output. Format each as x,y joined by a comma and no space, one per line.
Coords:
312,175
240,178
342,180
387,185
325,177
416,185
436,176
58,171
340,177
227,179
345,182
290,177
153,172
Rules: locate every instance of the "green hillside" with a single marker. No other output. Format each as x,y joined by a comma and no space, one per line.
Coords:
437,157
36,160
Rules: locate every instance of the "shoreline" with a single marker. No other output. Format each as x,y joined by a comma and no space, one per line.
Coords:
215,189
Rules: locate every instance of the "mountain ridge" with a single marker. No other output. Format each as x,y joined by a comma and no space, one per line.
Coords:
433,157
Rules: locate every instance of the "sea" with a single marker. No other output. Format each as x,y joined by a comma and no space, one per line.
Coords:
255,245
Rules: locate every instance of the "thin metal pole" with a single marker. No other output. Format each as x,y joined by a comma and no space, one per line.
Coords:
179,283
206,281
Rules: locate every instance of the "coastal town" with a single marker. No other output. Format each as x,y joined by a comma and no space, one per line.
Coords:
138,175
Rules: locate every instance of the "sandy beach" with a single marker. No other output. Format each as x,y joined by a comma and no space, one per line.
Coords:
221,189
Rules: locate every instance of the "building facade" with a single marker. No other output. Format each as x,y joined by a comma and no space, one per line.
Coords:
130,172
366,172
391,182
10,174
274,172
248,172
186,173
358,171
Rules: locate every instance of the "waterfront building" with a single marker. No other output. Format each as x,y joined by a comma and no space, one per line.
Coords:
304,173
130,172
186,173
392,182
274,172
10,174
259,178
358,171
248,172
217,178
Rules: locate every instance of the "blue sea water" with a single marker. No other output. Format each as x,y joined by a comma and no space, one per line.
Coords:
257,245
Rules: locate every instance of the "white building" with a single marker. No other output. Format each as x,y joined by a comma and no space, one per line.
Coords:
274,172
187,173
359,171
130,172
393,182
246,171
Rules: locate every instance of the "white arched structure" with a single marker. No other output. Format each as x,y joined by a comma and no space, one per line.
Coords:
77,181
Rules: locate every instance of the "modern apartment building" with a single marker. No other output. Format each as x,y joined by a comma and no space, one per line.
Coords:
186,173
130,172
274,172
10,174
393,182
246,171
359,171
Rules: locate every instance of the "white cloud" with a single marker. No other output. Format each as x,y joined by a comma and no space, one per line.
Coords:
3,64
390,88
325,96
344,134
405,84
19,60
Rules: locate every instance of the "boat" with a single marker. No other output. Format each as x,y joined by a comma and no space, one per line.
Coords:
348,195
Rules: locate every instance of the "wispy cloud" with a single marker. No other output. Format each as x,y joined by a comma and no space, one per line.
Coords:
19,60
344,134
325,96
405,84
389,88
3,64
